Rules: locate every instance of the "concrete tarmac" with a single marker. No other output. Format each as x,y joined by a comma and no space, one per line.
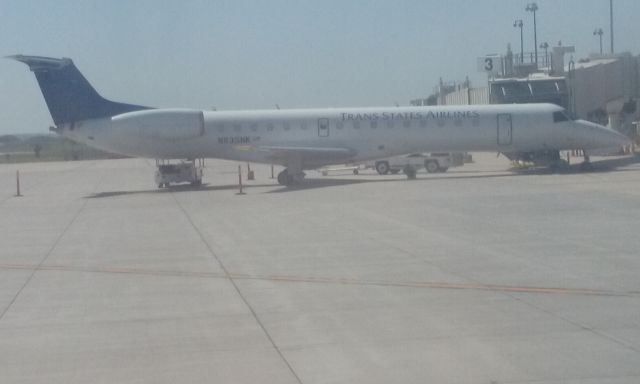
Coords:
479,275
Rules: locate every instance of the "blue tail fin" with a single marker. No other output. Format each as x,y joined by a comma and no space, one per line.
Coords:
68,94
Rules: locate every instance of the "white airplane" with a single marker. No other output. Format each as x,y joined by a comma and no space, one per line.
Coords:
307,138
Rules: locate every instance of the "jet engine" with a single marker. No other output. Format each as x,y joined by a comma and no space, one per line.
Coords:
161,124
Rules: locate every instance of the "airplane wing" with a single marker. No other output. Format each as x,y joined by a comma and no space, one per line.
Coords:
308,155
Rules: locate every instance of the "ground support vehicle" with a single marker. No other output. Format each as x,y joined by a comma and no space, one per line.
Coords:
182,172
434,162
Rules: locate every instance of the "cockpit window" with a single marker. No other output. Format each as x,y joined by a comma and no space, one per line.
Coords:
560,116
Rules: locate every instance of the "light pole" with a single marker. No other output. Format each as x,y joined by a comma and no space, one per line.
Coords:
545,46
599,32
611,23
533,7
519,24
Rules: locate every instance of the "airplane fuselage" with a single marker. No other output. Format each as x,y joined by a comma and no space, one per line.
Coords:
364,133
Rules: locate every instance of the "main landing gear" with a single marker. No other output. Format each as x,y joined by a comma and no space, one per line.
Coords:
586,164
410,172
287,177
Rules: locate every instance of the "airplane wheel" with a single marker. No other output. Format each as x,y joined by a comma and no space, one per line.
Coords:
410,172
431,166
284,178
586,167
355,172
382,167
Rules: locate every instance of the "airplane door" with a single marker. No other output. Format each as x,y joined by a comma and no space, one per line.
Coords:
505,129
323,127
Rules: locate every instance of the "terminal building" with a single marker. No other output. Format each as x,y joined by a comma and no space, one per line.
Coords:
601,88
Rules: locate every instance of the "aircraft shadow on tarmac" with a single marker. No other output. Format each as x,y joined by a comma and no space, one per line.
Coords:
176,188
619,162
335,182
311,183
608,165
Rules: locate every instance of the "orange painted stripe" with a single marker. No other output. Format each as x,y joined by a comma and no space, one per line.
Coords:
325,280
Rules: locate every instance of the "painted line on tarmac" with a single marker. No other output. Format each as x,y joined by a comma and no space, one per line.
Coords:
335,281
441,285
114,270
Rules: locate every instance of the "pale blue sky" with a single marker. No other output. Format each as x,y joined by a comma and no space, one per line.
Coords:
253,54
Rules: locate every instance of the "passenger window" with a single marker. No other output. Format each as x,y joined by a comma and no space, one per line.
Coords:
286,126
303,125
356,124
339,124
237,127
423,123
406,123
441,123
374,124
458,123
389,123
254,127
270,127
220,127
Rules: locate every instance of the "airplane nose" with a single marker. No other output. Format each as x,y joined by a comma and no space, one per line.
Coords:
601,137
